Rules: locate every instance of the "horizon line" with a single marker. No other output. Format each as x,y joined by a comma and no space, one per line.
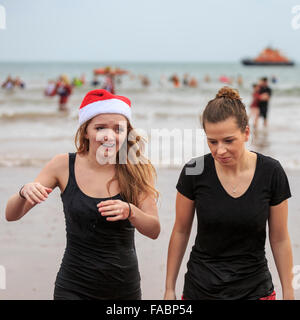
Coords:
119,61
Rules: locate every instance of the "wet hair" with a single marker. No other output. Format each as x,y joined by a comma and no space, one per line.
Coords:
264,79
226,104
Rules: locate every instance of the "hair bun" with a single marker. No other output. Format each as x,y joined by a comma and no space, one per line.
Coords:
228,93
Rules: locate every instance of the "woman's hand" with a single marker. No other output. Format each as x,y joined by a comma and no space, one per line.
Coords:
34,192
170,295
114,209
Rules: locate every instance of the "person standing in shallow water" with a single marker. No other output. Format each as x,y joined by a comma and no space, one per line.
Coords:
235,193
107,192
265,93
63,89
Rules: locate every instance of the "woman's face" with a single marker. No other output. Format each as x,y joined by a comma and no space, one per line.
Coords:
106,134
226,141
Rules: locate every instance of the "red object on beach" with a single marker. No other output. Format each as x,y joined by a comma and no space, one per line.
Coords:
109,70
100,71
224,79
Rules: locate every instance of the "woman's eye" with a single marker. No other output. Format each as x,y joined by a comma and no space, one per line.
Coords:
213,142
119,130
228,141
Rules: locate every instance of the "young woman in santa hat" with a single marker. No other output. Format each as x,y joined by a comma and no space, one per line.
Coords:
107,190
235,192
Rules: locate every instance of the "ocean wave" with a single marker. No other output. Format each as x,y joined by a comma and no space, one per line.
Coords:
36,94
31,115
21,162
35,115
167,115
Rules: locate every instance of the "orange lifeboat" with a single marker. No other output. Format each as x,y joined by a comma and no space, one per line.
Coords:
269,57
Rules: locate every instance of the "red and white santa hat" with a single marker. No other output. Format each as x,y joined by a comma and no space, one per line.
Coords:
101,101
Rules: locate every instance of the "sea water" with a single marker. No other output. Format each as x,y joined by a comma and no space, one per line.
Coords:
32,130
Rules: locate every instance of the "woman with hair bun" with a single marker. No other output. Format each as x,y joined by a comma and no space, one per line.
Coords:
235,193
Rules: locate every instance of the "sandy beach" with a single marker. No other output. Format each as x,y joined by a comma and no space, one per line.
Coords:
32,248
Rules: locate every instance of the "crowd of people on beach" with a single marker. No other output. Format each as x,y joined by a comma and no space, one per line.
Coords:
260,96
11,83
190,81
63,87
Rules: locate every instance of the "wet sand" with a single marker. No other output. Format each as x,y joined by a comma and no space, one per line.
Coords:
32,248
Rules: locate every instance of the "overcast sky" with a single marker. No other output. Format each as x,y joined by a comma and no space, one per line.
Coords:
146,30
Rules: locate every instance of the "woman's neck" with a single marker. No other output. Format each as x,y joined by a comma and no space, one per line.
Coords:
243,164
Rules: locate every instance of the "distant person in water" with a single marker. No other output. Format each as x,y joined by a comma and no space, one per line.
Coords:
225,79
76,82
254,107
50,89
239,80
175,80
8,84
274,79
79,81
63,89
145,81
193,83
19,83
185,80
207,78
109,84
265,93
95,82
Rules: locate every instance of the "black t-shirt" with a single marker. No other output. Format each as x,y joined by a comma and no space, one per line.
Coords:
262,90
228,258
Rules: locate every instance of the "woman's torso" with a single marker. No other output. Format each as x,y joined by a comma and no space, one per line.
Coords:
100,259
228,258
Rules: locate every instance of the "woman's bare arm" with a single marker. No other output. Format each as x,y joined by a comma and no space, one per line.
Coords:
185,210
37,191
281,247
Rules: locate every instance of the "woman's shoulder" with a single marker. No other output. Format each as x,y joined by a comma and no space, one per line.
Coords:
59,162
268,161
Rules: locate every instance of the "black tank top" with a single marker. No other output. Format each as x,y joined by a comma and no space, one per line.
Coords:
100,259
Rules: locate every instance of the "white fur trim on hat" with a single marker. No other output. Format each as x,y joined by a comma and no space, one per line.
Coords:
104,106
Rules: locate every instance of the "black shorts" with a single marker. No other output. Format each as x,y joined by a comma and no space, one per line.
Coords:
66,294
263,110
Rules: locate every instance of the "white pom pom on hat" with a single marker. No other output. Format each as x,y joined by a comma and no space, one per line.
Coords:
101,101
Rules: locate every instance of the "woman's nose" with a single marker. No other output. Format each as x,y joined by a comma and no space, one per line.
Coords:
106,135
221,149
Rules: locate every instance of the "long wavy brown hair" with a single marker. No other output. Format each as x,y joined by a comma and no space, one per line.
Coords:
136,177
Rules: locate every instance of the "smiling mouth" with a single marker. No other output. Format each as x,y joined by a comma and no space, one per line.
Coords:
108,145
